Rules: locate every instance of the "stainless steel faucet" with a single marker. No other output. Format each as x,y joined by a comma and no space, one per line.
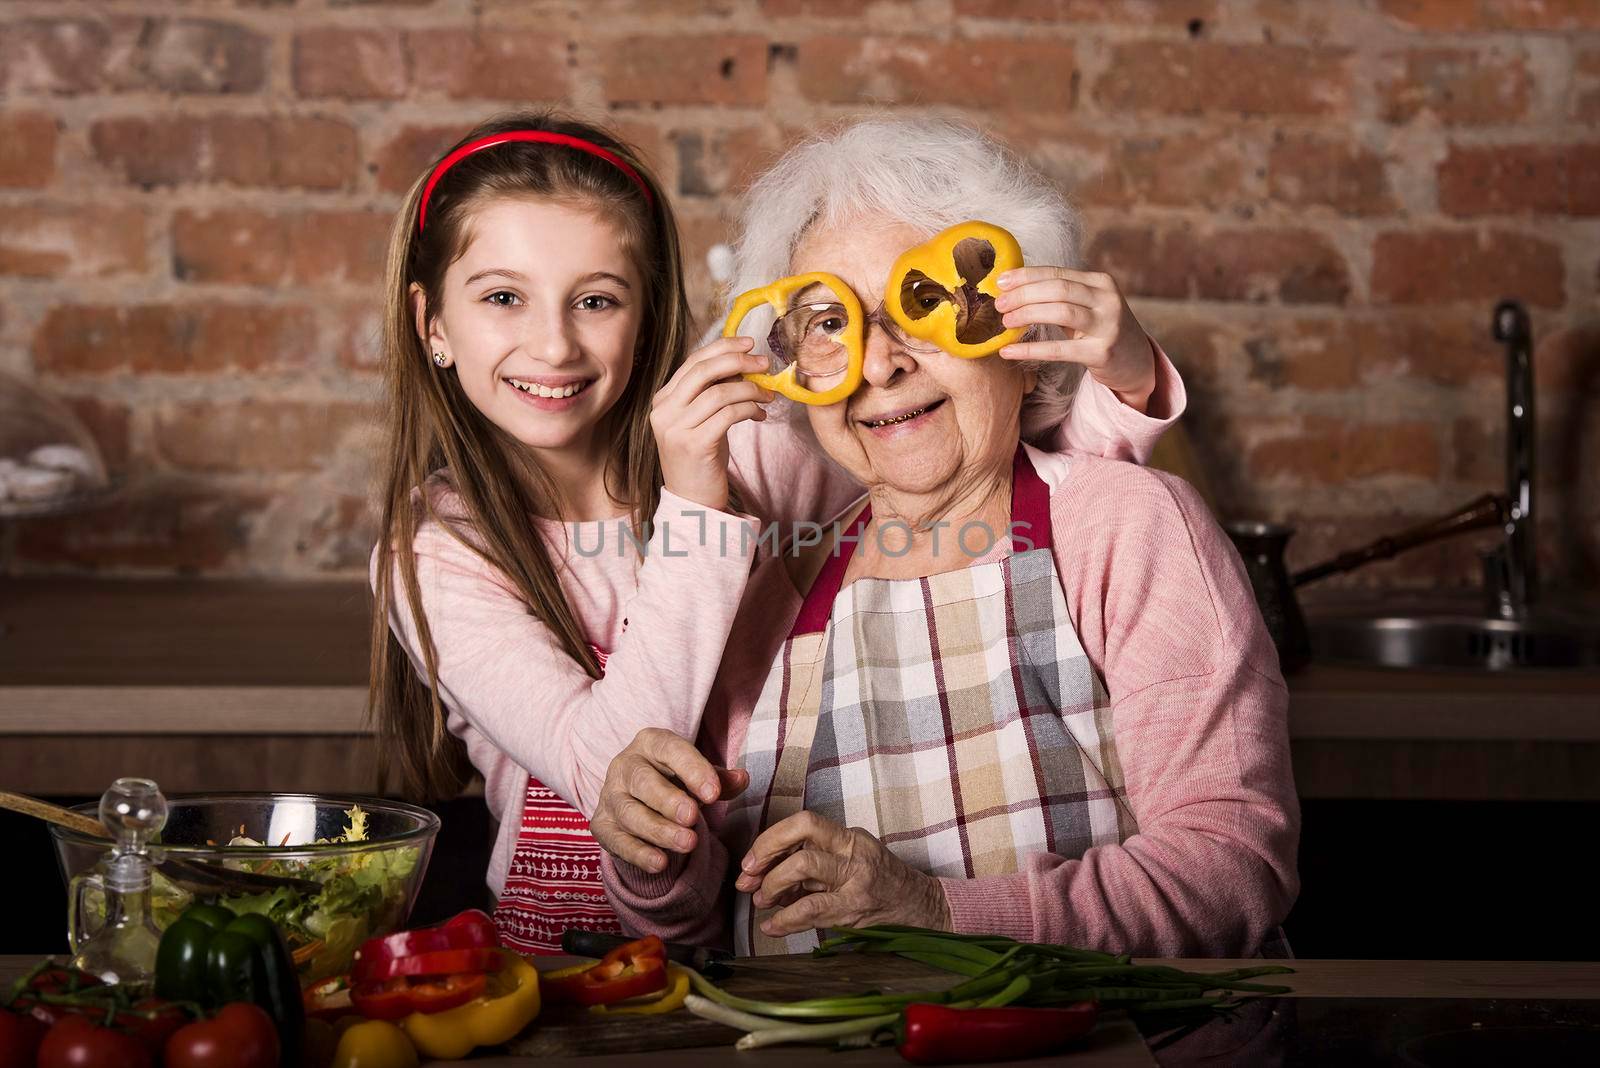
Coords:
1510,571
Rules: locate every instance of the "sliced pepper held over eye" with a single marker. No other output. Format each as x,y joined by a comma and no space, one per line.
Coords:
848,337
943,290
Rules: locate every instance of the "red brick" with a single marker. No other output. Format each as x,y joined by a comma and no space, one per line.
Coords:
707,303
253,248
1196,77
1521,179
1345,352
172,339
1308,171
519,65
1292,266
1478,451
693,69
164,525
1584,104
716,162
27,150
260,151
77,241
1440,266
255,435
107,422
1136,12
648,142
1457,86
779,9
986,73
412,151
351,64
1189,170
69,56
1327,451
357,337
1469,16
340,536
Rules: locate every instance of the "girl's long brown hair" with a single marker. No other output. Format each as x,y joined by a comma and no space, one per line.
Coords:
433,430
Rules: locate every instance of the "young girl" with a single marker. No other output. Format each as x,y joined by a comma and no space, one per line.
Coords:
560,565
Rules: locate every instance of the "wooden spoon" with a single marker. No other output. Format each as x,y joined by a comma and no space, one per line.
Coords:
199,877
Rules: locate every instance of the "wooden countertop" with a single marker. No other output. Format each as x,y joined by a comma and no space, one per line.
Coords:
1116,1043
95,656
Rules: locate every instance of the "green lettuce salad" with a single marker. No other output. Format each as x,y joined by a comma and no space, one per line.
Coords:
362,893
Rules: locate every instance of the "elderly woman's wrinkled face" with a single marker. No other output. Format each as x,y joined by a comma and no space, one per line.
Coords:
922,421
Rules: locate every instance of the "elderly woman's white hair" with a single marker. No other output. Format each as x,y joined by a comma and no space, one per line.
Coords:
930,174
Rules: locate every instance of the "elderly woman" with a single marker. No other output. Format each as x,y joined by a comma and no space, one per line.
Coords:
1075,735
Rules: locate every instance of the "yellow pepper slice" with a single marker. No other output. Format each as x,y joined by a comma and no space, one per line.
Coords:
374,1044
777,295
497,1015
677,990
943,290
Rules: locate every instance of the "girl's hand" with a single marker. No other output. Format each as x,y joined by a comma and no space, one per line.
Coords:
652,796
1102,333
819,874
693,412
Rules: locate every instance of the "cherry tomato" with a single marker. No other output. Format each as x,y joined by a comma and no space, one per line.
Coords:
240,1035
20,1035
78,1042
438,962
398,998
153,1020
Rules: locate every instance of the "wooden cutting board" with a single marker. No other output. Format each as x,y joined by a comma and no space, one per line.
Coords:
564,1033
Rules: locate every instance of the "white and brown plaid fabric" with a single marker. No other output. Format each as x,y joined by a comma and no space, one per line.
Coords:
954,717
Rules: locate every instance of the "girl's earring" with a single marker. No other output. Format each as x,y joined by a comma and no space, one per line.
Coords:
441,360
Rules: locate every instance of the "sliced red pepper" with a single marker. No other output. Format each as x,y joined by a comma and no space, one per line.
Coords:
329,1000
471,929
640,967
939,1034
442,962
396,999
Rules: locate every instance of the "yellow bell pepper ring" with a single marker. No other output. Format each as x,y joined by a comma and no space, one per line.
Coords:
672,998
787,381
374,1044
496,1016
943,290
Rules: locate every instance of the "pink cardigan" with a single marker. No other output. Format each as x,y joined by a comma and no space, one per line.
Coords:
521,705
1165,614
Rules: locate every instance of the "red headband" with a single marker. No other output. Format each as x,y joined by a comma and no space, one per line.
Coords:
537,136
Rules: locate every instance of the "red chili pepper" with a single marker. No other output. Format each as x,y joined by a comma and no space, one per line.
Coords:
640,967
938,1034
471,929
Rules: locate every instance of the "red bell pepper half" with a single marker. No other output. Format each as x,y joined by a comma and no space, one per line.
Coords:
396,999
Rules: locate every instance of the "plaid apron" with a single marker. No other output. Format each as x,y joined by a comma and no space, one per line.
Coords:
554,879
955,717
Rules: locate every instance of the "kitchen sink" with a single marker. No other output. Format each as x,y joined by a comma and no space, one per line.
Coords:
1458,640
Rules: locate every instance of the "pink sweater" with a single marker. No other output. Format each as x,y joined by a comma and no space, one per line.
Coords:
522,706
1164,611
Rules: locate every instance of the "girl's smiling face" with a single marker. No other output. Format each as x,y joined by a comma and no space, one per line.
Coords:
540,316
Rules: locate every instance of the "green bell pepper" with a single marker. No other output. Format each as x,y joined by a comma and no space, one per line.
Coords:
213,957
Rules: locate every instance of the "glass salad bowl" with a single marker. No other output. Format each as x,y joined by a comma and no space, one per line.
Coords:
330,871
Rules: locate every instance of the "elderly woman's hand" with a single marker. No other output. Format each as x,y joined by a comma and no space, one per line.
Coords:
643,804
1102,333
825,875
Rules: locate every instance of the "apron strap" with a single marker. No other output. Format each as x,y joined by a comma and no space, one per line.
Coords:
1030,505
1030,519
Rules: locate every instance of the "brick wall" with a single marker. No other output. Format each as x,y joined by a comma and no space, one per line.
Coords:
1315,205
